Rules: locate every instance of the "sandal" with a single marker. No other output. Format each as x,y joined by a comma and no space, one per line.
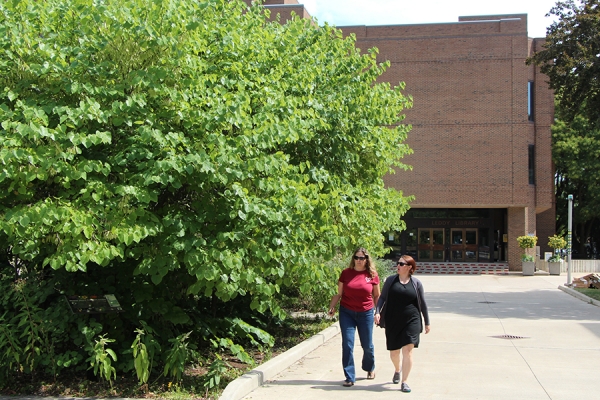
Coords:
371,375
348,384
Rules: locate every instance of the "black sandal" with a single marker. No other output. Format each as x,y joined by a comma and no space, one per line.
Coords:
348,384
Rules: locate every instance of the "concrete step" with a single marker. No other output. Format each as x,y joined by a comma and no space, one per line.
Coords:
462,268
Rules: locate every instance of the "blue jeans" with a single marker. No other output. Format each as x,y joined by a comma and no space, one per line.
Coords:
350,321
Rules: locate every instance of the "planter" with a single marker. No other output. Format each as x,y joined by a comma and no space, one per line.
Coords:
554,268
528,268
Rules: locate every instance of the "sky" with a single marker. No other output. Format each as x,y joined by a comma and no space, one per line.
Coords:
390,12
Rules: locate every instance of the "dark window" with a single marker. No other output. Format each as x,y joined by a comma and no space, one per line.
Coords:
532,164
530,100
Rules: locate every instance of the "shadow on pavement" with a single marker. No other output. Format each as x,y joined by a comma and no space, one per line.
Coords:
337,385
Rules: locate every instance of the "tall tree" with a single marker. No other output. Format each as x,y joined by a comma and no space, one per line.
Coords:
570,58
576,154
182,154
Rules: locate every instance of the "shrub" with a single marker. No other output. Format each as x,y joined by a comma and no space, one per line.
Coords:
555,258
557,242
164,152
527,242
527,258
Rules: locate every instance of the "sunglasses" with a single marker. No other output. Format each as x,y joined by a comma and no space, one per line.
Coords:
402,264
360,258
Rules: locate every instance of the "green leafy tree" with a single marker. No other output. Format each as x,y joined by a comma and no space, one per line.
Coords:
187,156
570,58
576,154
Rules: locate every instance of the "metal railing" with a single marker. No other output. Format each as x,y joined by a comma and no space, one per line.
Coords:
578,266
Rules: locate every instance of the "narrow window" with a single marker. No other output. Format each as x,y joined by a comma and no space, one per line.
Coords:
530,100
532,164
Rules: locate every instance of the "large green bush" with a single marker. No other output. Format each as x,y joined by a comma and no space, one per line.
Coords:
188,157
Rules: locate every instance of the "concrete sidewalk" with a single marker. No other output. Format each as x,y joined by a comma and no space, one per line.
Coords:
492,337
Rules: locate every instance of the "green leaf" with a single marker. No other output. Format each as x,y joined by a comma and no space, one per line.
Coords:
24,220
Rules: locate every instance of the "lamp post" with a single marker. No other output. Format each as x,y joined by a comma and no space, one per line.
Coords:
569,236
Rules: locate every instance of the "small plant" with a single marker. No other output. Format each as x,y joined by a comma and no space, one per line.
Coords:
100,359
144,347
217,369
557,243
12,352
177,356
527,258
527,242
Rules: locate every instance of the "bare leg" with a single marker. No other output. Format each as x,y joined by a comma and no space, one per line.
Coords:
395,357
407,361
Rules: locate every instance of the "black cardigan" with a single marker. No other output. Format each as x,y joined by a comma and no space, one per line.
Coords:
383,298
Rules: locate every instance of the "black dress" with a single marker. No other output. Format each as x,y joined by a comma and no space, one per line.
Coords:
402,319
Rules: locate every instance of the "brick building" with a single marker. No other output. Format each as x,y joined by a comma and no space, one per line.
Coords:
482,169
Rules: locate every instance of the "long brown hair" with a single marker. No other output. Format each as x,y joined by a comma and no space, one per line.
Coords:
369,263
410,261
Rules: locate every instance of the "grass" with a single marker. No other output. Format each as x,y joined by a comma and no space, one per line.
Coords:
293,332
593,293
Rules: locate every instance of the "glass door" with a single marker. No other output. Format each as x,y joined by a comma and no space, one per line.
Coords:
431,244
411,243
463,245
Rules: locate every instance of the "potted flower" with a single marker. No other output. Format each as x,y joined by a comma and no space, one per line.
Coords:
527,260
557,243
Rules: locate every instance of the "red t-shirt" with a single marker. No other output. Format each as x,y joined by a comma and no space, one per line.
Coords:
358,289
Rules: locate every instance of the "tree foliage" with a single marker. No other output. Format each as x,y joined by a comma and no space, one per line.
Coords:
576,154
570,58
187,156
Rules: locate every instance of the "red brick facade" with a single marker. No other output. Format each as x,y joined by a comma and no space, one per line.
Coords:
472,132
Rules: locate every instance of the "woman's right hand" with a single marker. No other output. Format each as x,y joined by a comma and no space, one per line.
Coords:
376,319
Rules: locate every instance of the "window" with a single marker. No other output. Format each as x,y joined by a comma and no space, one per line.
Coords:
532,164
530,101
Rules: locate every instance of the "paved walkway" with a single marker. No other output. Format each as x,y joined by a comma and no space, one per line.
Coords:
550,349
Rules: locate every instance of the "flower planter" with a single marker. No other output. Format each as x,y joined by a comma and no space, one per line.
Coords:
554,268
528,268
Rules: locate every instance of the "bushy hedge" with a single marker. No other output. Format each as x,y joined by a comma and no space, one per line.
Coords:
189,158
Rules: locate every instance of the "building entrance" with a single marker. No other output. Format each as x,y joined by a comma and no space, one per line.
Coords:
431,244
464,245
451,235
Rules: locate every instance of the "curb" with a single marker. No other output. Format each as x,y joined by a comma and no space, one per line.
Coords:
580,296
240,387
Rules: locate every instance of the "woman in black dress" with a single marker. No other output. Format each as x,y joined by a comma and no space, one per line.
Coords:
399,311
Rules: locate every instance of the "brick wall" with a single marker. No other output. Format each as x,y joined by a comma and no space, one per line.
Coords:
544,117
546,227
517,226
470,136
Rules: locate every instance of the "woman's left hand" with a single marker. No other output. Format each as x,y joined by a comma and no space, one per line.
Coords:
427,328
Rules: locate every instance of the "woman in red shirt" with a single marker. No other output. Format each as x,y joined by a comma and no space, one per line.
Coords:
358,288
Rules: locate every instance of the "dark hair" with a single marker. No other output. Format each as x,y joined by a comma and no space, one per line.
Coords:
369,264
410,261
